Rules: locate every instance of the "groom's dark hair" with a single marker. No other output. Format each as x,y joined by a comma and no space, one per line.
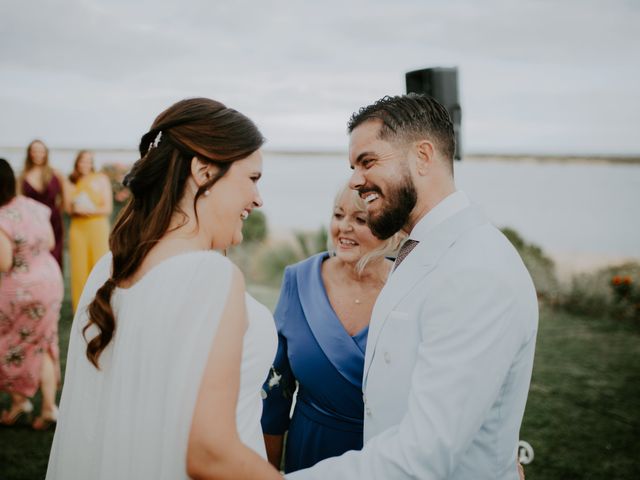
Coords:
408,118
196,127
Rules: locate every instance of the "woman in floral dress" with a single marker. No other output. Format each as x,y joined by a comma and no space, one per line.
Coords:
31,292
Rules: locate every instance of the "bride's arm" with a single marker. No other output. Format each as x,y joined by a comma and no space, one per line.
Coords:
215,450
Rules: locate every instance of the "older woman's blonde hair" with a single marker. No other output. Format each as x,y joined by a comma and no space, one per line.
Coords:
388,247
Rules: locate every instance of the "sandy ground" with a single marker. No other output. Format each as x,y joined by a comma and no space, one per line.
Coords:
568,263
572,263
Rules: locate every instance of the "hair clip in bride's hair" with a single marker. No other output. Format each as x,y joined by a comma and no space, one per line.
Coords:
155,142
128,178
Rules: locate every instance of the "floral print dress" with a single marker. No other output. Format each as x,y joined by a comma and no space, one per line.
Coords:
30,297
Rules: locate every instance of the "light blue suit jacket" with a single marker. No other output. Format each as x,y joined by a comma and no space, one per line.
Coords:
448,361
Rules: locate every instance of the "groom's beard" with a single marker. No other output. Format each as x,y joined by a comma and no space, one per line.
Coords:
399,202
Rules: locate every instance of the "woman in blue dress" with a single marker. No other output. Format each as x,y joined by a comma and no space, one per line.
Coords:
322,318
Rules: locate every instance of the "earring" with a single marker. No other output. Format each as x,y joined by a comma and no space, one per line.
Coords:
206,193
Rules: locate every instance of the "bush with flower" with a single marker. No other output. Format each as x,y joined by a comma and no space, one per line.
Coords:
613,291
116,172
626,296
540,266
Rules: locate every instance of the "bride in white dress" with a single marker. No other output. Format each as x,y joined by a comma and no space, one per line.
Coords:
168,353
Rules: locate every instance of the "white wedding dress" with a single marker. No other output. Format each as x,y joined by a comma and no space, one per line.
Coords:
131,419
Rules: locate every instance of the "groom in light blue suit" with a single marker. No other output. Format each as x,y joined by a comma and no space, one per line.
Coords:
452,335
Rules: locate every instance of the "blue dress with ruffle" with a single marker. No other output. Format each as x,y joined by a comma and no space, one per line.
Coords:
315,350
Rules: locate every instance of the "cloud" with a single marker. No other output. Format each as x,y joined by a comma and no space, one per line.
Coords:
301,68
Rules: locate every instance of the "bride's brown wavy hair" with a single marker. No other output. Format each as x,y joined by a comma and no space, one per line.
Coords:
197,127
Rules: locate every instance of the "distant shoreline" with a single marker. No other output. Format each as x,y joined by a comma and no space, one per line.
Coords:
592,160
567,263
472,157
483,157
501,157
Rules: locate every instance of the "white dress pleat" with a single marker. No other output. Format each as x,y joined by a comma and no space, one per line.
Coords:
131,419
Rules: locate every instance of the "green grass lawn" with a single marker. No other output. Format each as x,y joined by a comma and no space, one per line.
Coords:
583,413
582,418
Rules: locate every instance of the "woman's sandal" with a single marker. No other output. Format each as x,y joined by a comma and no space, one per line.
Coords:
26,408
45,422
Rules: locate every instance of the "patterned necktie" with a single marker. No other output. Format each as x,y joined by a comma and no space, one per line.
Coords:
404,251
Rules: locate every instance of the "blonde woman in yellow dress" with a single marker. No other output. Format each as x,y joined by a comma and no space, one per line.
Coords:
90,204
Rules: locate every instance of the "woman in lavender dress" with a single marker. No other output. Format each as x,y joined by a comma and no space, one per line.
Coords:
40,182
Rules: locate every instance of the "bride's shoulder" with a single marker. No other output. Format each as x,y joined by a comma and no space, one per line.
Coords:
215,279
211,258
101,271
214,265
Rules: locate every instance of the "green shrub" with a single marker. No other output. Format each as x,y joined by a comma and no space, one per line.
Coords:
310,243
272,259
116,172
613,291
255,227
540,266
586,294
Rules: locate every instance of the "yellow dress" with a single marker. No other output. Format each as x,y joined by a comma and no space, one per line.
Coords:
88,235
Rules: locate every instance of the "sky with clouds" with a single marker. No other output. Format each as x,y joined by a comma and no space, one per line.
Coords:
535,76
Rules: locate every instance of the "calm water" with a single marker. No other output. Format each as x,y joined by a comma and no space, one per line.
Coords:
565,208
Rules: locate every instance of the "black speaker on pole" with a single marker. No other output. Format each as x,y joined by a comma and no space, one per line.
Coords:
441,84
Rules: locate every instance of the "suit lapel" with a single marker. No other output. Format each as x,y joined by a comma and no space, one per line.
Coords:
420,262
